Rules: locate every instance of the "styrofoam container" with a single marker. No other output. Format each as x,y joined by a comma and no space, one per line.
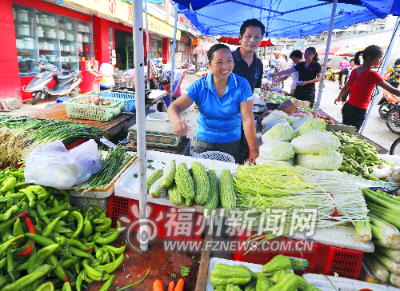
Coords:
215,261
158,116
127,185
343,284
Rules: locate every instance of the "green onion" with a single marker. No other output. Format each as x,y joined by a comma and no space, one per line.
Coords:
392,266
376,267
383,230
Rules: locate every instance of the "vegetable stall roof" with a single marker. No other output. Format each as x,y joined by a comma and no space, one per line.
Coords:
282,18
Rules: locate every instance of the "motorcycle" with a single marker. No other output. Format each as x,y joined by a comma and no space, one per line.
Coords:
192,69
387,103
66,83
393,118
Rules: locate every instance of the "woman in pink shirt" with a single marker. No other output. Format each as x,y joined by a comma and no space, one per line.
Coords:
343,66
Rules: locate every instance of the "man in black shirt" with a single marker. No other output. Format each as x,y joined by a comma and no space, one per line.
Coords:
248,66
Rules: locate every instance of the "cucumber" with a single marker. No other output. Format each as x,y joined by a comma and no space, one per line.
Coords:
168,177
153,178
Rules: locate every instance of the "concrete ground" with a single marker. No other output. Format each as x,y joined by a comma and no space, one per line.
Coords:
376,128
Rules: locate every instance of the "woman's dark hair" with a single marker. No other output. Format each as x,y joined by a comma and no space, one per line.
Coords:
314,52
297,54
252,22
214,48
371,52
352,60
397,62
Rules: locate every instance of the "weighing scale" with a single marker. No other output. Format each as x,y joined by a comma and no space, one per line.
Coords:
158,134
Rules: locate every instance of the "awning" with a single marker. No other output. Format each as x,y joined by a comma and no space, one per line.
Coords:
200,47
236,41
332,51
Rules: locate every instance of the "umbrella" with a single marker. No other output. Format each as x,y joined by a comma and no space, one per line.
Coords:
236,41
332,51
200,47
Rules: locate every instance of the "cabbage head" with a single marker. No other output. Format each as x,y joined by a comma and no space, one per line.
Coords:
300,122
279,132
260,162
292,119
276,151
315,143
311,124
275,115
268,126
331,160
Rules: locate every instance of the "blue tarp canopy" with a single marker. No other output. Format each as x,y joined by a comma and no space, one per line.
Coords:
282,18
380,8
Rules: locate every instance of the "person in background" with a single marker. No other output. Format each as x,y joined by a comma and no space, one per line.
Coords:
345,78
394,74
329,64
272,62
361,83
309,74
248,66
265,62
296,57
225,102
344,64
280,65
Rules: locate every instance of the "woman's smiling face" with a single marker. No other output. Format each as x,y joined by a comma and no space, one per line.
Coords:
222,63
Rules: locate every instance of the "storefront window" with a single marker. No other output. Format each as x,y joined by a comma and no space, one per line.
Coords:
156,48
25,32
50,38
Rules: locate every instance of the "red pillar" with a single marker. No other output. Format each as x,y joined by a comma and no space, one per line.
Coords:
101,39
165,49
10,83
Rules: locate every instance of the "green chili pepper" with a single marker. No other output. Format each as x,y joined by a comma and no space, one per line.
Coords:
49,228
17,196
60,240
45,287
66,264
5,246
77,267
78,216
66,287
115,250
6,235
97,209
39,191
79,253
41,212
44,241
8,184
60,229
20,186
79,280
109,268
98,252
23,207
10,264
28,279
57,209
6,224
94,274
87,228
108,239
112,255
105,258
78,244
105,224
61,214
58,270
3,262
18,175
56,203
17,229
3,281
41,257
107,284
66,196
6,215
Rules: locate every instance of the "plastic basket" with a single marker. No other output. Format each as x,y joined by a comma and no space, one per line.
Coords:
214,155
130,104
164,221
322,258
94,112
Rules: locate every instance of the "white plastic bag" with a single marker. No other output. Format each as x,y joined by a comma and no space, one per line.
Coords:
53,165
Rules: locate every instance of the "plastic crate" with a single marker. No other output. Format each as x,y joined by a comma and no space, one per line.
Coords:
164,221
322,258
94,112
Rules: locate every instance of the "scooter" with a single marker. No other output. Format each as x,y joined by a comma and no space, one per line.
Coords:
66,83
387,103
192,69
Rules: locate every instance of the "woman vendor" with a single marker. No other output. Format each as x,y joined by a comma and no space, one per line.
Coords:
225,101
309,74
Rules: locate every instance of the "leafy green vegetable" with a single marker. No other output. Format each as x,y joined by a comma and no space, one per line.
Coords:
276,151
185,271
315,142
150,167
327,161
279,132
311,124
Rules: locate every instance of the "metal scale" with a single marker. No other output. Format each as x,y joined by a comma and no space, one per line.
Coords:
160,135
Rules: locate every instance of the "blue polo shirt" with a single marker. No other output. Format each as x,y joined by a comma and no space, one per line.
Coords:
220,119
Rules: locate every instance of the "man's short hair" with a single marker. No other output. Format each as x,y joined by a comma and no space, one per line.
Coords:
252,22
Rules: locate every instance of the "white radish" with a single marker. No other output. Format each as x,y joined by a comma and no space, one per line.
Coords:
381,173
396,177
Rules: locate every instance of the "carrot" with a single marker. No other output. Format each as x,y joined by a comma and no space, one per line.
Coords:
179,285
157,286
171,286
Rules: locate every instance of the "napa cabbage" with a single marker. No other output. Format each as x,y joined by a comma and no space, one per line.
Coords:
279,132
311,124
276,151
268,126
275,115
330,160
315,142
